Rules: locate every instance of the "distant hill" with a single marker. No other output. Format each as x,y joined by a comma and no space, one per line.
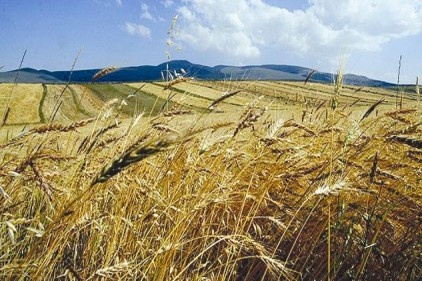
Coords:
154,73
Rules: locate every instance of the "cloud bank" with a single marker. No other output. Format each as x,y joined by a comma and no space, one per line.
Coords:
137,29
244,28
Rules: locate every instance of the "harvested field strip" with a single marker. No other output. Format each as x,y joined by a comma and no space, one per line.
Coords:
212,94
204,92
279,91
146,102
313,93
81,112
68,109
86,100
108,92
322,93
25,98
179,97
134,100
197,89
375,93
176,101
180,89
217,89
282,93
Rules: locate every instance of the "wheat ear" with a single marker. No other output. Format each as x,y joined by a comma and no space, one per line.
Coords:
130,157
411,142
222,98
61,128
369,111
177,112
103,72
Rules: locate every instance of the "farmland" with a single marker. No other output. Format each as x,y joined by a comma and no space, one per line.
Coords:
274,181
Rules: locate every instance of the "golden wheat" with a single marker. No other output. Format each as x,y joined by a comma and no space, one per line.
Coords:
290,200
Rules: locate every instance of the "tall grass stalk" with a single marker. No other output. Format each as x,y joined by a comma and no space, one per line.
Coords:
398,87
59,99
7,105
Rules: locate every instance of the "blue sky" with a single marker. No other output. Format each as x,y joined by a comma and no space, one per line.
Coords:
368,36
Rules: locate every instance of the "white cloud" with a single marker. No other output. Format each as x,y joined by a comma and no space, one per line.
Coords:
167,3
109,3
145,12
243,28
138,29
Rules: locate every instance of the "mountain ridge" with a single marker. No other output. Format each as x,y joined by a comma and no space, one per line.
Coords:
154,73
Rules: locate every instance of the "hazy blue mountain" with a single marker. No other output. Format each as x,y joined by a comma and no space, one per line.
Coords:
29,75
154,73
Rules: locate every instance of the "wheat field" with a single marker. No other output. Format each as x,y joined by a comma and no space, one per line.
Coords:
209,180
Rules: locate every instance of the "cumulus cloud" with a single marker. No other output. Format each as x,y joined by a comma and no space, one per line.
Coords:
138,30
243,28
145,14
167,3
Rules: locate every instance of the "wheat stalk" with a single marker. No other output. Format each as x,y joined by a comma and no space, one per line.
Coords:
5,116
374,168
398,85
291,123
110,271
91,140
311,72
44,185
4,194
408,130
338,86
59,101
249,119
7,110
173,82
274,127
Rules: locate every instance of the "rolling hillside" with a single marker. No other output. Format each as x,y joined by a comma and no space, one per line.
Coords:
153,73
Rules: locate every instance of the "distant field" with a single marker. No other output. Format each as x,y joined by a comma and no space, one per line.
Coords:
39,102
275,181
23,100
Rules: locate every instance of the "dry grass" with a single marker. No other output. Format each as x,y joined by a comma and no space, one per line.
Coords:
261,197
